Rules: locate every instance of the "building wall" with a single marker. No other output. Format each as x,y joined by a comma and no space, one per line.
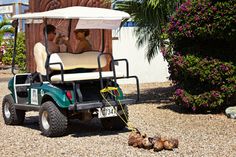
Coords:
13,7
125,47
13,1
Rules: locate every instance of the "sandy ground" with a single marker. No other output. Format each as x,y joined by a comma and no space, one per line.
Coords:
208,135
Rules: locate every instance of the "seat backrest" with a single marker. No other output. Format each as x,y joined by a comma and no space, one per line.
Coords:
40,57
69,61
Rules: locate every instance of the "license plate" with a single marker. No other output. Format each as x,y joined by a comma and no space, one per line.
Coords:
107,112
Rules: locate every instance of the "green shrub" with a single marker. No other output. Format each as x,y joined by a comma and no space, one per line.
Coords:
20,59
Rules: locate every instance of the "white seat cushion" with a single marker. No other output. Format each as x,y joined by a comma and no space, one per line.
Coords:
84,76
71,61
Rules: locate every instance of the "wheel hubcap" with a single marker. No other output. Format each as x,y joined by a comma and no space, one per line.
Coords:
44,119
7,112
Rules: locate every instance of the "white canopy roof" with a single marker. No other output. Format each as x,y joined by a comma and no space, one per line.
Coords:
88,17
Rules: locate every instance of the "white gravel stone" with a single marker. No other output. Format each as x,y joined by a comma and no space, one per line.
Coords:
231,112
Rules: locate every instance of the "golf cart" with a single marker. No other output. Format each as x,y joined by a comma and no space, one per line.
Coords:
67,95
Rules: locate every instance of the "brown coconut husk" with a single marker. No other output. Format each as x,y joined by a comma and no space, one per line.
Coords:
158,144
170,144
136,139
134,135
147,143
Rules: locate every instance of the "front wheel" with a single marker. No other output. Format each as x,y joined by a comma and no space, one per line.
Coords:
116,123
53,122
11,115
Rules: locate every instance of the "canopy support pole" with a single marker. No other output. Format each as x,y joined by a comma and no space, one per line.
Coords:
103,40
46,47
15,23
69,31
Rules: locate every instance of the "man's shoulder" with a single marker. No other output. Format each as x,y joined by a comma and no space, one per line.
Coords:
39,44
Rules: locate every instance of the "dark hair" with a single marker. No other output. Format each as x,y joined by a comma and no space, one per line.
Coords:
86,31
50,28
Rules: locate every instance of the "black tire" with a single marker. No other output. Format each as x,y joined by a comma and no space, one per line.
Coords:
52,121
116,123
11,115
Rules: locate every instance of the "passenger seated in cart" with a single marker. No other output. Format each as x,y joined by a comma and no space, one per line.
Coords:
83,45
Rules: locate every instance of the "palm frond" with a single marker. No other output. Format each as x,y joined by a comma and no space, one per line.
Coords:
150,17
4,23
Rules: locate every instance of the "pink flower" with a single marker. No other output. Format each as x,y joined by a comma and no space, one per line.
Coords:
215,94
164,51
214,8
177,23
205,105
180,28
194,108
196,18
187,26
185,100
189,34
163,30
183,8
224,89
224,67
3,49
179,92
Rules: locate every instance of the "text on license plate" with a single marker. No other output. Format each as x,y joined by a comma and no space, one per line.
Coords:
107,112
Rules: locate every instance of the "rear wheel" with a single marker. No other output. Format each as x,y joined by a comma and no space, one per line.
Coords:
116,123
11,115
53,121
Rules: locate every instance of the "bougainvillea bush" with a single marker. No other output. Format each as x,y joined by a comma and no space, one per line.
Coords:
205,28
202,83
204,19
203,54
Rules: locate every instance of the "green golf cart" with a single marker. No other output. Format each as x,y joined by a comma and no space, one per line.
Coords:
65,94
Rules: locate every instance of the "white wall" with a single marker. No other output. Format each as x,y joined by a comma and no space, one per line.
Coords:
125,47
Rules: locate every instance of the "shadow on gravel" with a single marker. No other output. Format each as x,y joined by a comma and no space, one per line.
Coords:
163,97
32,122
175,108
183,110
76,128
156,95
93,128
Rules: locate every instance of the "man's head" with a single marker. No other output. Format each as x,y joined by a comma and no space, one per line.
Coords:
51,31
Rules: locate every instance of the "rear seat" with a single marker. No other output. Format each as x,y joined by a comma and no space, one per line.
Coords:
70,61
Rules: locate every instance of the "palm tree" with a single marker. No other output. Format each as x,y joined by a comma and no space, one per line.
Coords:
150,16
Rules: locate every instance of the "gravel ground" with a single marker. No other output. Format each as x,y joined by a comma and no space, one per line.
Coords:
209,135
